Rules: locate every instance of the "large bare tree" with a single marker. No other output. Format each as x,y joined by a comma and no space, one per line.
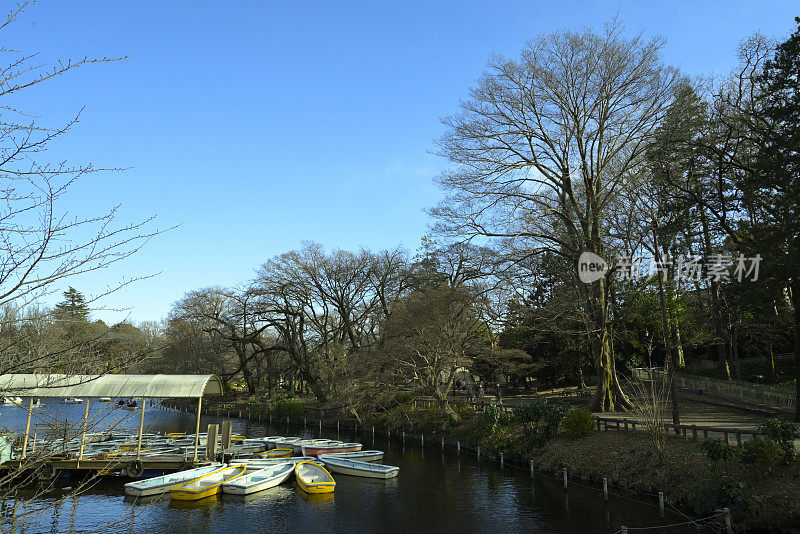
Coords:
544,143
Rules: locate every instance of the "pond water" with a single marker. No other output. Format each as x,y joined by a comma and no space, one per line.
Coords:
435,492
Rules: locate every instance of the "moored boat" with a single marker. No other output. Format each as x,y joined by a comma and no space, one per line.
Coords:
259,480
359,469
361,456
316,450
313,478
253,462
162,484
206,485
276,453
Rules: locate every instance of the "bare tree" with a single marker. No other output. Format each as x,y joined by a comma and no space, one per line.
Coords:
545,143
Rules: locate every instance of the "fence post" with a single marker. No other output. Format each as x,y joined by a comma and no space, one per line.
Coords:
442,443
564,471
501,460
458,447
422,439
404,436
479,453
623,530
728,526
661,503
530,462
605,488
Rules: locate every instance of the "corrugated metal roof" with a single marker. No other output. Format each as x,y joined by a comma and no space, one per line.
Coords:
147,386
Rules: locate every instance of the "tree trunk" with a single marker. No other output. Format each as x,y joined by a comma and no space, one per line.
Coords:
737,365
716,305
770,362
795,290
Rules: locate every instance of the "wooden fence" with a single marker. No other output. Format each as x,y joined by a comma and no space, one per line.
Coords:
684,431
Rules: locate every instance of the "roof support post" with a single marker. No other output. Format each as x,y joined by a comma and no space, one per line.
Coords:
141,425
27,429
83,428
197,427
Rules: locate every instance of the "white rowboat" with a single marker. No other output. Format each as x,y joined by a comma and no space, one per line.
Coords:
162,484
361,456
359,469
259,480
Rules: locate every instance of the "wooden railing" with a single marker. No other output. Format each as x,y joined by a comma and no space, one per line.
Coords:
684,431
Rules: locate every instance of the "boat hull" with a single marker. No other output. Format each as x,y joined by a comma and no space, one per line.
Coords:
316,451
237,488
142,489
183,493
313,487
361,456
361,469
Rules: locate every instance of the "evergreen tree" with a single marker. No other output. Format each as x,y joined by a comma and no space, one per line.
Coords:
774,189
73,307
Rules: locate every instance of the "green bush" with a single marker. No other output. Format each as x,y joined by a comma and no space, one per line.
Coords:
492,431
782,433
763,453
719,492
288,408
578,423
540,420
717,451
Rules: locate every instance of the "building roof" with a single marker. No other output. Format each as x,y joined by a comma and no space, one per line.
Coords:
128,386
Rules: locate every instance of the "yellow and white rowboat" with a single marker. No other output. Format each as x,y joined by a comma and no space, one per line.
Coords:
206,485
313,478
276,453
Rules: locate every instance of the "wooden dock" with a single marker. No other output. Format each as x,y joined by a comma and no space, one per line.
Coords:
129,465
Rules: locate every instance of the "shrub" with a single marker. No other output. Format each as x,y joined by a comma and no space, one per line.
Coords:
578,423
492,431
717,451
764,453
782,433
540,420
719,492
288,408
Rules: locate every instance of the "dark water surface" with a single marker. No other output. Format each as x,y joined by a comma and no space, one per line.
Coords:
435,492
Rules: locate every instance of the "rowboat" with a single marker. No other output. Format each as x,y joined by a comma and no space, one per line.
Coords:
259,479
326,449
206,485
271,441
266,462
159,485
297,446
283,442
313,478
361,456
359,469
276,453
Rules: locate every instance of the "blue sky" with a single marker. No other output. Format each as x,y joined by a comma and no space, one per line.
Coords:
256,125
